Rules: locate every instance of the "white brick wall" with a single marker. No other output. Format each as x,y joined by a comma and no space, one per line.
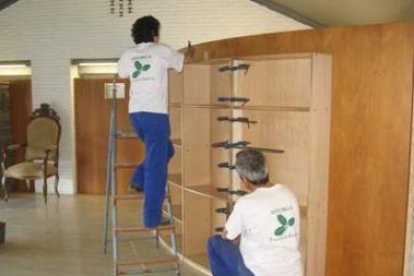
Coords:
52,32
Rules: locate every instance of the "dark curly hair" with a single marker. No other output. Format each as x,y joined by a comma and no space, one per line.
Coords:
145,29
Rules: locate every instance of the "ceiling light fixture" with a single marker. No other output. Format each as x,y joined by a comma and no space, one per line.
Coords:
97,64
121,7
12,66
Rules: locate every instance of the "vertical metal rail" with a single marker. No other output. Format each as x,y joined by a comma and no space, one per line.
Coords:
173,233
114,178
110,162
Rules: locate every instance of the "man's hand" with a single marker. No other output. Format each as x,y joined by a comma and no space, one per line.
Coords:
189,54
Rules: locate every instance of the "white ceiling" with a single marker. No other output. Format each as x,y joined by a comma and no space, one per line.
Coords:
345,12
334,12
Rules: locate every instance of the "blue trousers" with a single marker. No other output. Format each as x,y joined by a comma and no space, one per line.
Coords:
151,174
225,258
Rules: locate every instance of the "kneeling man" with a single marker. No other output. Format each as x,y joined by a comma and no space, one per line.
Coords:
261,236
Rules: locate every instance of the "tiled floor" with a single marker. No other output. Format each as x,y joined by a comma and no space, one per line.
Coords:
64,238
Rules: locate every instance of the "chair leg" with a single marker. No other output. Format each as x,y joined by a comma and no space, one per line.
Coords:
56,184
45,189
4,186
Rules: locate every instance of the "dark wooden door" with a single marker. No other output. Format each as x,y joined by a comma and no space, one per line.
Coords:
92,113
20,110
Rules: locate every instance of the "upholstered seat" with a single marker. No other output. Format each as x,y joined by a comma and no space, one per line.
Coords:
42,151
29,171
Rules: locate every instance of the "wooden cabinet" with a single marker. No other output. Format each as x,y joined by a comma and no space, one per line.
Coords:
278,104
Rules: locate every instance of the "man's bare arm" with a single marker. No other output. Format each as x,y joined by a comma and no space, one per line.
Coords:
189,54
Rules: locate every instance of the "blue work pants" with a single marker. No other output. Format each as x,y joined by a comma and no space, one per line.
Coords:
151,174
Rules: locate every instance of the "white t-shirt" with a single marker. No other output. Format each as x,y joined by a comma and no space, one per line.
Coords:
268,221
147,66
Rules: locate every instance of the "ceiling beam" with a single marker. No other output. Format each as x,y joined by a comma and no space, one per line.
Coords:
5,3
289,13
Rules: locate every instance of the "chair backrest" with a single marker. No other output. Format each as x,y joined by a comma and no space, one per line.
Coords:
42,132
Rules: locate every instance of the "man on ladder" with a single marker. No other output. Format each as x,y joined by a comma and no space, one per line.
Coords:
147,66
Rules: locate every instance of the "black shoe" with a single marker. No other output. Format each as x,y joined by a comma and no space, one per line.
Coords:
136,189
164,221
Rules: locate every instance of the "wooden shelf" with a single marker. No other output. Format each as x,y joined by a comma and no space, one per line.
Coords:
210,192
249,107
175,179
175,104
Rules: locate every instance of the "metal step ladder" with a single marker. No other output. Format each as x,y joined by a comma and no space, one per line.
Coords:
137,265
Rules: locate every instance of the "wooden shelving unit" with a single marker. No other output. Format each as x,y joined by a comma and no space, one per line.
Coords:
280,104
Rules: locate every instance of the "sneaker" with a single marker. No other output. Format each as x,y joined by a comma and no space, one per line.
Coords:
136,189
164,221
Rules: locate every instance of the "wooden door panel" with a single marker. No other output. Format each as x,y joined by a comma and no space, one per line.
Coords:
92,114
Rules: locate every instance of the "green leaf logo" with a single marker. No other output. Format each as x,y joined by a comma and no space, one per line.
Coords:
140,68
279,231
136,74
282,219
284,225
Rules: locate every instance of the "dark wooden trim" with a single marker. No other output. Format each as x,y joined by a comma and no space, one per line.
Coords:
4,4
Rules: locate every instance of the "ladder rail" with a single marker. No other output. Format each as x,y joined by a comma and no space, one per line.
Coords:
173,237
110,162
114,178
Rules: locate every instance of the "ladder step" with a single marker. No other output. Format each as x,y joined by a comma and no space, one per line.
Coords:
120,230
148,261
129,197
126,165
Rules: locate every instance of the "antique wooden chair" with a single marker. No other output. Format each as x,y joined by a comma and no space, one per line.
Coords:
41,151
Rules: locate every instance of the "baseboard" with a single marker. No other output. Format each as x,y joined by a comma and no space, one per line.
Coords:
65,186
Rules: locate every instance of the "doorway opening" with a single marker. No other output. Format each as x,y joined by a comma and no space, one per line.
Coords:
15,110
